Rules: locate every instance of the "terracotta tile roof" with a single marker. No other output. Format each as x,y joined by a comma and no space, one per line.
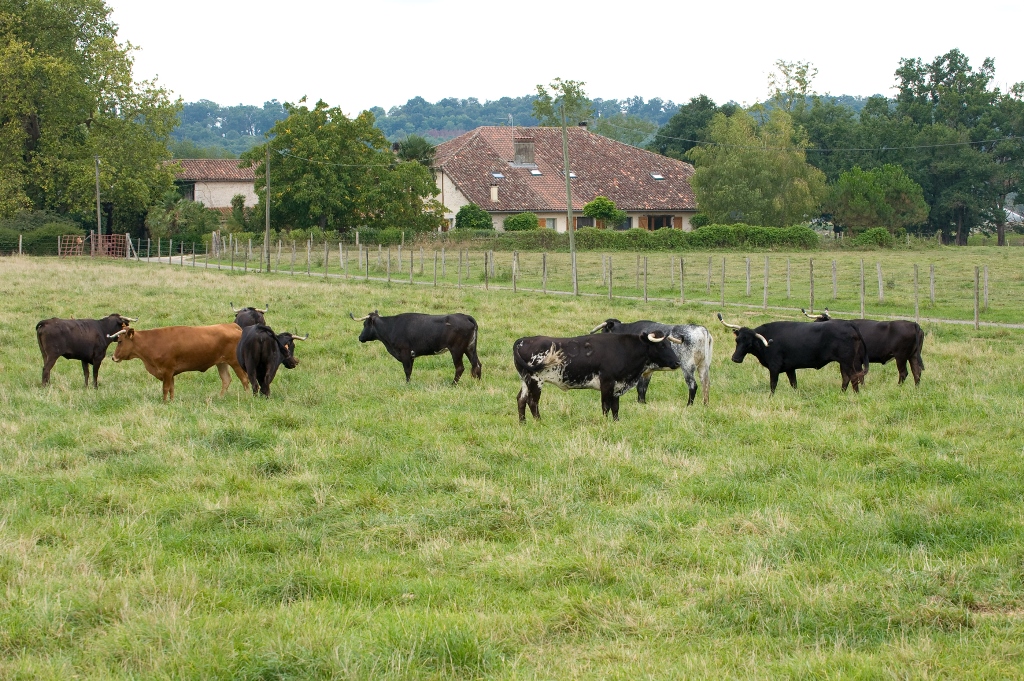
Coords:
213,170
603,167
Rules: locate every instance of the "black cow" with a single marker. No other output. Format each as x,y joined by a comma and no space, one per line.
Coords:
261,352
784,347
901,340
249,316
410,335
82,339
612,363
694,352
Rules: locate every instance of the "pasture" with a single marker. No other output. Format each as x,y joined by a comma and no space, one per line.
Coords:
354,526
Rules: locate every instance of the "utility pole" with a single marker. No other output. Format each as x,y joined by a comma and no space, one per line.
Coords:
568,204
99,219
266,200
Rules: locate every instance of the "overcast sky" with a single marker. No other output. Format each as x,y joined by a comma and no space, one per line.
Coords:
382,53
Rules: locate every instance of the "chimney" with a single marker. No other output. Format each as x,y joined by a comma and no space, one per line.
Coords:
523,150
583,124
494,193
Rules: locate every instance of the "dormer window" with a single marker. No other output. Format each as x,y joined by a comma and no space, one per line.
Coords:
524,151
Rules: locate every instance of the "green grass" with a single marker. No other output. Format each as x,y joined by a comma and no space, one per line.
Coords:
354,526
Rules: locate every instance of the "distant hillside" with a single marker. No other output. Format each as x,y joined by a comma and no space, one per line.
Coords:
209,130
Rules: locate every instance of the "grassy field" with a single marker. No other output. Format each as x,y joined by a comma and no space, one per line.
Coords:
354,526
953,267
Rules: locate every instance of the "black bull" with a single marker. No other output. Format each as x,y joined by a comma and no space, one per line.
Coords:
261,352
611,363
784,347
901,340
410,335
249,316
82,339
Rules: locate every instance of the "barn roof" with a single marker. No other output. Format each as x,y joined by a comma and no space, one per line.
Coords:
212,170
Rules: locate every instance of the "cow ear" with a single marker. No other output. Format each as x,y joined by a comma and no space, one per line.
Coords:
129,333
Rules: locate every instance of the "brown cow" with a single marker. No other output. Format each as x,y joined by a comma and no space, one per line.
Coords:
171,350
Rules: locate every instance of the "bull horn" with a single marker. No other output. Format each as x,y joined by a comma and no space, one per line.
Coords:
809,316
673,339
762,339
727,324
264,309
599,327
306,337
651,337
115,335
232,304
357,320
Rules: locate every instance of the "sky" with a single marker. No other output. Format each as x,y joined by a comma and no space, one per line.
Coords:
382,53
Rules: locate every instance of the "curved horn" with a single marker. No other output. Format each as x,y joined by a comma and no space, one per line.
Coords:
651,337
131,319
599,327
232,304
116,335
809,316
731,326
264,309
762,339
306,337
673,339
357,320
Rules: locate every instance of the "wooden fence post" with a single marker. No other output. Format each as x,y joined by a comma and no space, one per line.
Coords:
412,258
811,265
421,261
400,255
309,255
342,259
366,263
277,268
515,254
985,290
977,312
609,279
637,270
170,251
645,278
917,316
327,257
435,270
458,268
544,272
862,288
444,269
19,244
748,276
389,264
487,270
682,280
293,258
764,301
835,281
723,281
380,254
709,277
881,286
789,289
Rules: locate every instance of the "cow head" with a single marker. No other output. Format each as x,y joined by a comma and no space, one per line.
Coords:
660,351
369,332
822,317
607,326
286,343
125,345
249,316
747,341
116,322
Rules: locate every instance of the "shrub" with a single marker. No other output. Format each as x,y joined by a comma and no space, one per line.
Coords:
699,220
876,236
522,222
39,240
603,208
472,216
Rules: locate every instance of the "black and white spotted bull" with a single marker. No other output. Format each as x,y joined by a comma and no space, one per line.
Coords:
610,362
82,339
694,352
261,352
411,334
901,340
249,316
784,347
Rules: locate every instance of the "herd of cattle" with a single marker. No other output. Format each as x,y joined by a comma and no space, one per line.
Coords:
613,358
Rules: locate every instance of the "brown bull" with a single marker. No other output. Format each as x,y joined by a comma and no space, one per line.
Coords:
172,350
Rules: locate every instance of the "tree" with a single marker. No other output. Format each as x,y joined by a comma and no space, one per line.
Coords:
883,197
547,107
756,174
67,95
521,222
631,130
687,127
180,219
335,172
604,209
789,85
418,149
472,216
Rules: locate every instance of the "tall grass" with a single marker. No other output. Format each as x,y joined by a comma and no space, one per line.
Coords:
357,527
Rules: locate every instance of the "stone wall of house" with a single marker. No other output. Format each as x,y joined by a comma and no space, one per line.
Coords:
219,194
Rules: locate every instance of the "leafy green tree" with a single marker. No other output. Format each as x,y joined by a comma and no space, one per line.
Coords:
418,149
547,107
334,172
604,209
687,127
521,222
631,130
180,219
472,216
756,174
884,197
789,85
67,95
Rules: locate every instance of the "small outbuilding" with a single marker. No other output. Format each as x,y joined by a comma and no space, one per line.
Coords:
215,181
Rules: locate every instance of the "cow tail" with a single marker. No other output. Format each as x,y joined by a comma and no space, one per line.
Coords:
918,345
866,365
39,336
703,362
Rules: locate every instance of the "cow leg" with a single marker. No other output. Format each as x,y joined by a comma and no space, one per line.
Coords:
846,378
242,376
773,380
901,366
705,382
609,402
47,366
85,372
96,372
529,394
268,378
460,366
791,375
407,360
691,383
168,386
916,366
641,389
225,378
476,369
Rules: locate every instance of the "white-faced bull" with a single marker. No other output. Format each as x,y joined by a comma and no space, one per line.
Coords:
249,316
901,340
81,339
784,347
694,352
612,363
261,352
410,335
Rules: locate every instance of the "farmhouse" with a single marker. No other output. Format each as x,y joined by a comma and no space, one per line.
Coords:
508,170
215,181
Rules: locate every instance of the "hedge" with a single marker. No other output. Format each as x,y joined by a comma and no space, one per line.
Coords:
41,241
